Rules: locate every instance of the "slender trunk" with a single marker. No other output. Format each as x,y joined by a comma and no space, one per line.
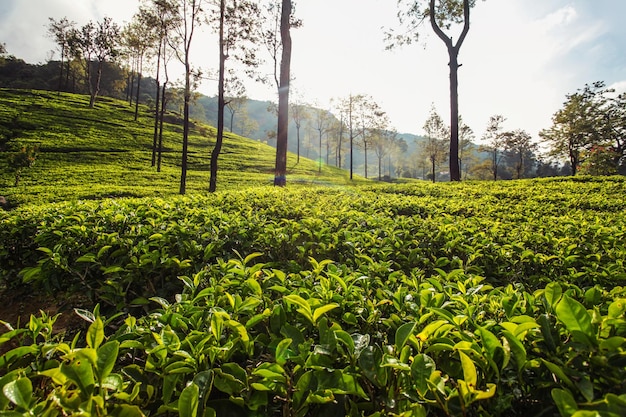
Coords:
432,160
453,53
232,119
137,96
183,175
61,68
160,145
320,154
351,139
365,151
67,75
138,89
221,104
340,143
495,164
298,143
156,120
327,151
455,174
131,85
280,175
573,160
94,90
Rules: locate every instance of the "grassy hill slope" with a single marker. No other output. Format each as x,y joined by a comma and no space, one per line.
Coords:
103,152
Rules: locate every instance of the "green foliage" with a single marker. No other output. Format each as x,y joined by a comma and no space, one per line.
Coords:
25,158
87,154
417,299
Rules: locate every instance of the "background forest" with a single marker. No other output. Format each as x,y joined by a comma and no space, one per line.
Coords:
593,115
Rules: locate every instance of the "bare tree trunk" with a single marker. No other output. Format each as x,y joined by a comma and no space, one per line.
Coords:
157,110
432,160
365,150
455,170
95,89
320,154
160,145
137,97
221,104
453,53
280,174
298,144
183,175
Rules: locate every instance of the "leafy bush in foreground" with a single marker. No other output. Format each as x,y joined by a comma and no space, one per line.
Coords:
253,340
459,299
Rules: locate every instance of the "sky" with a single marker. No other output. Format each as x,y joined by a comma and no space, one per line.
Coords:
519,60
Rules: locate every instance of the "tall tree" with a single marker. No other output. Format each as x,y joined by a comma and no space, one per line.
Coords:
237,38
441,15
434,146
466,135
384,142
370,118
282,133
299,114
494,143
235,98
138,37
59,31
321,123
520,146
93,45
188,18
161,15
589,118
350,107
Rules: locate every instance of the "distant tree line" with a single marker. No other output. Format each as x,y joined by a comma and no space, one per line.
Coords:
102,58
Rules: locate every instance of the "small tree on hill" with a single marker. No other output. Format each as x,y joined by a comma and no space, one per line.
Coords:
494,143
434,147
25,158
59,31
138,37
591,119
93,45
520,146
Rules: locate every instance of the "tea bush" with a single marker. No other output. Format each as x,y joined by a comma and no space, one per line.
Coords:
465,299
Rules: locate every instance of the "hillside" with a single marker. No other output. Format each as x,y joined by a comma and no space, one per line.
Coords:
101,152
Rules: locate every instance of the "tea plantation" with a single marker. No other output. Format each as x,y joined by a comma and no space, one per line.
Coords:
456,299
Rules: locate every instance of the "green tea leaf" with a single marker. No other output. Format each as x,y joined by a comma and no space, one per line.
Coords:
81,373
577,320
322,310
558,371
127,410
552,293
107,356
403,334
296,299
469,370
517,348
19,392
282,351
564,400
95,333
188,401
421,370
